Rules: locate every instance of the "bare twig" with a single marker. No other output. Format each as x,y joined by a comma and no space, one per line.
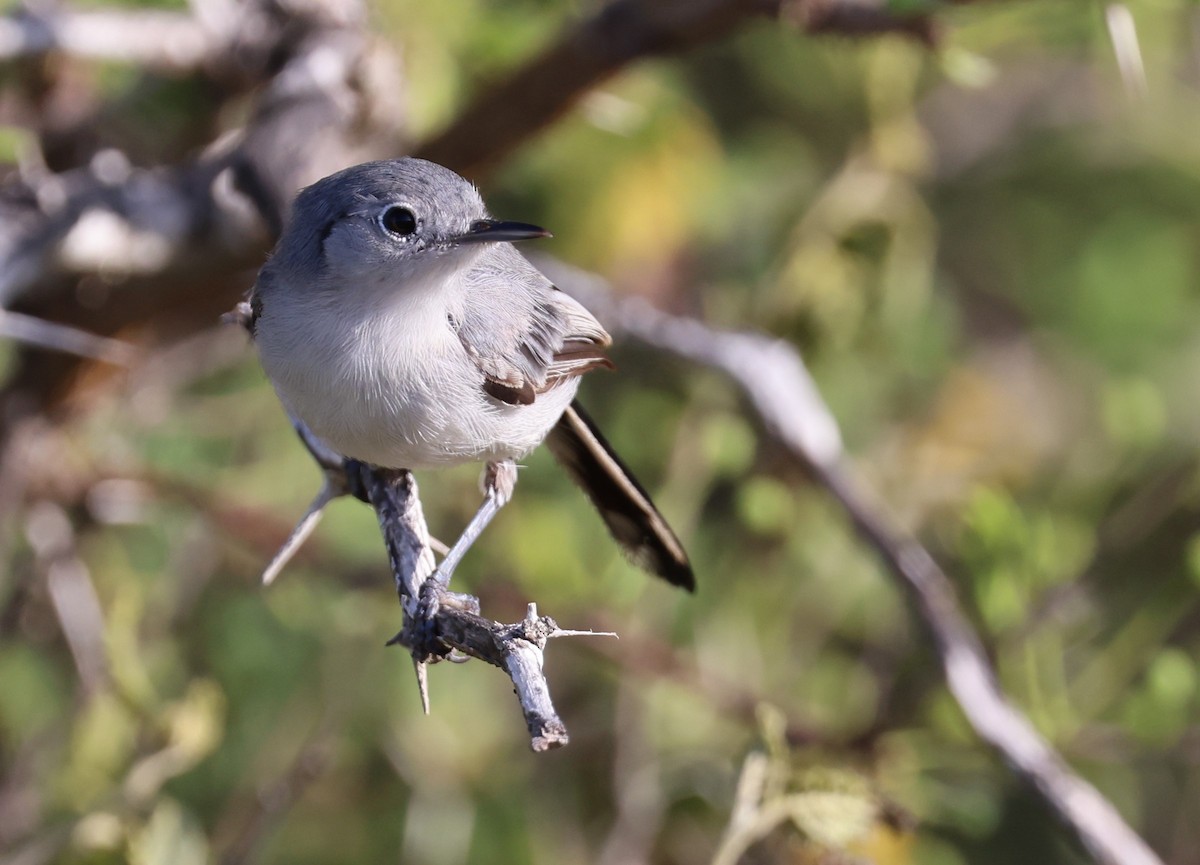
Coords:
61,337
303,531
166,41
517,649
71,591
773,377
1122,31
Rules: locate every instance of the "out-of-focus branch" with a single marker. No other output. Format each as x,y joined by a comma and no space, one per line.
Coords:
59,337
166,41
858,18
117,221
225,40
112,218
505,114
165,232
1122,31
774,379
72,592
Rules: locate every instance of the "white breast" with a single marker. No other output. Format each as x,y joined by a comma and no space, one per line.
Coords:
382,377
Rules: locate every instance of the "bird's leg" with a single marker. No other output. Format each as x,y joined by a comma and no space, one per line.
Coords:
499,480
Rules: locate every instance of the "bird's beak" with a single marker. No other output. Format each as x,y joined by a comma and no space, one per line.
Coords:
495,231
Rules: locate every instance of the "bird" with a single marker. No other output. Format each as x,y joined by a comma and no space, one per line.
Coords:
398,322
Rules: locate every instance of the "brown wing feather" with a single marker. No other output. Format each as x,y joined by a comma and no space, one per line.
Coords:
557,339
506,392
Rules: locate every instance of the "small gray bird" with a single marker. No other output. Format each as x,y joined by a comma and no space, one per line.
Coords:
397,321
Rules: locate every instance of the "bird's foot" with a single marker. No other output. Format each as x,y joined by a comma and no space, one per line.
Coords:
420,632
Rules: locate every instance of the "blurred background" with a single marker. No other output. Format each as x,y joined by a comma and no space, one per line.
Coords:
983,241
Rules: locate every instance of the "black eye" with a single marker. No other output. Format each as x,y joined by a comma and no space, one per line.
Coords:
398,220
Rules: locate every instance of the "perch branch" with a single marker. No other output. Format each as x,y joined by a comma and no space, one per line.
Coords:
517,649
772,375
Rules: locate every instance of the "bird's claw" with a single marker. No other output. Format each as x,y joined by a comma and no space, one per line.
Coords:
419,633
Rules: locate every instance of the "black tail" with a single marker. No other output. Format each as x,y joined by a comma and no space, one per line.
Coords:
625,507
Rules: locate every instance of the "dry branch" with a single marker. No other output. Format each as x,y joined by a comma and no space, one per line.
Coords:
457,626
154,39
168,236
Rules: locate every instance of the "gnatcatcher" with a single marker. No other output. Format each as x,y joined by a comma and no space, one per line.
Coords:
397,321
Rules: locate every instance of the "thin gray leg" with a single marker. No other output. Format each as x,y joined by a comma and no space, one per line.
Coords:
499,479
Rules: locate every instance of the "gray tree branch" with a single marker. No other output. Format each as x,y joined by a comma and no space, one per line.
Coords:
776,383
517,648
